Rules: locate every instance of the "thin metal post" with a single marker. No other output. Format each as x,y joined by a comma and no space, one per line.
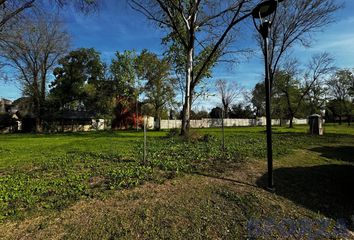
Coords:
223,129
137,114
265,30
144,159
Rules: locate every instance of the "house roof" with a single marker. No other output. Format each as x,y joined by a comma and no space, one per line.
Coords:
6,101
76,115
315,115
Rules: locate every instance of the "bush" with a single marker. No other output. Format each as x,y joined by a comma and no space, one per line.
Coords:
173,132
209,138
6,121
193,136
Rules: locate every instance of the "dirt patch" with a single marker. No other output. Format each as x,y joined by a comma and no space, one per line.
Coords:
195,206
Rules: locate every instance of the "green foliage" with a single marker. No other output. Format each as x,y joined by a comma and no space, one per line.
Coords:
199,114
124,74
241,111
50,172
173,132
216,112
128,176
287,95
6,120
340,88
258,99
80,83
337,107
159,86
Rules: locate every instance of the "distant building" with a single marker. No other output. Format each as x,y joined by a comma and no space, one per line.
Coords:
5,105
77,121
23,106
9,120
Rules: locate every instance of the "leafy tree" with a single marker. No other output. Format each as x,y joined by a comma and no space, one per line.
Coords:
258,102
6,120
340,89
159,86
258,99
241,111
80,84
199,32
291,90
200,115
287,94
124,74
316,98
340,108
216,112
126,85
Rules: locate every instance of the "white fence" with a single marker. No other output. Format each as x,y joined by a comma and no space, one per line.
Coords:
102,124
228,122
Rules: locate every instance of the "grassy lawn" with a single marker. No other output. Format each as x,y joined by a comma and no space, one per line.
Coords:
95,185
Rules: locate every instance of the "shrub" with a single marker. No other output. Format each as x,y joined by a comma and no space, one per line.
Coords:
173,132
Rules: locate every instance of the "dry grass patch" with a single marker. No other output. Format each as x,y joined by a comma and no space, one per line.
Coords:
188,207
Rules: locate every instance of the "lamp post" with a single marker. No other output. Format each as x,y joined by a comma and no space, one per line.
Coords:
265,13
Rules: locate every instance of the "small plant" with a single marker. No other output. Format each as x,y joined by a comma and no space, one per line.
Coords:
173,132
193,136
208,138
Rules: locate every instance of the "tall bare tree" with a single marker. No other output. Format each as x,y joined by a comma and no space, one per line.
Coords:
289,86
32,49
294,23
319,69
201,29
9,9
228,92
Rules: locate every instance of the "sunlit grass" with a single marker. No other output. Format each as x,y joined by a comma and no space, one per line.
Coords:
40,173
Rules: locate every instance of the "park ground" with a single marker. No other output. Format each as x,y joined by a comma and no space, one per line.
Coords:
96,186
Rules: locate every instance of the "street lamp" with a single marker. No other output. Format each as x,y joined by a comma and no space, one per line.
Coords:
265,13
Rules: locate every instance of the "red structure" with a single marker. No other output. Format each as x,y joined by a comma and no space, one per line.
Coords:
125,113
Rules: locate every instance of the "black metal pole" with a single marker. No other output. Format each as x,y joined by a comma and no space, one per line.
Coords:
264,31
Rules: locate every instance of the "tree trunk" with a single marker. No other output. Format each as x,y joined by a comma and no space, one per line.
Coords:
42,99
340,119
291,125
37,103
187,100
226,113
157,118
39,125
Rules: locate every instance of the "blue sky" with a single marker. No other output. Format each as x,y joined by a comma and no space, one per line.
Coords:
116,27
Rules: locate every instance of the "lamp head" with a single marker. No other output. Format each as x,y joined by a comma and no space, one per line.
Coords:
265,8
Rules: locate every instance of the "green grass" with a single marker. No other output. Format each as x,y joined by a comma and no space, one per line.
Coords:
41,175
39,172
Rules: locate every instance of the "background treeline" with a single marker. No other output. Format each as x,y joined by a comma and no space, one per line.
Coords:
55,82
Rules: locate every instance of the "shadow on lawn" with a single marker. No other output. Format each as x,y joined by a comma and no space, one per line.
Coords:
343,153
327,189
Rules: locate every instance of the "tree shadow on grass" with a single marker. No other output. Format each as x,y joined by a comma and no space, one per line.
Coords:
327,189
343,153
